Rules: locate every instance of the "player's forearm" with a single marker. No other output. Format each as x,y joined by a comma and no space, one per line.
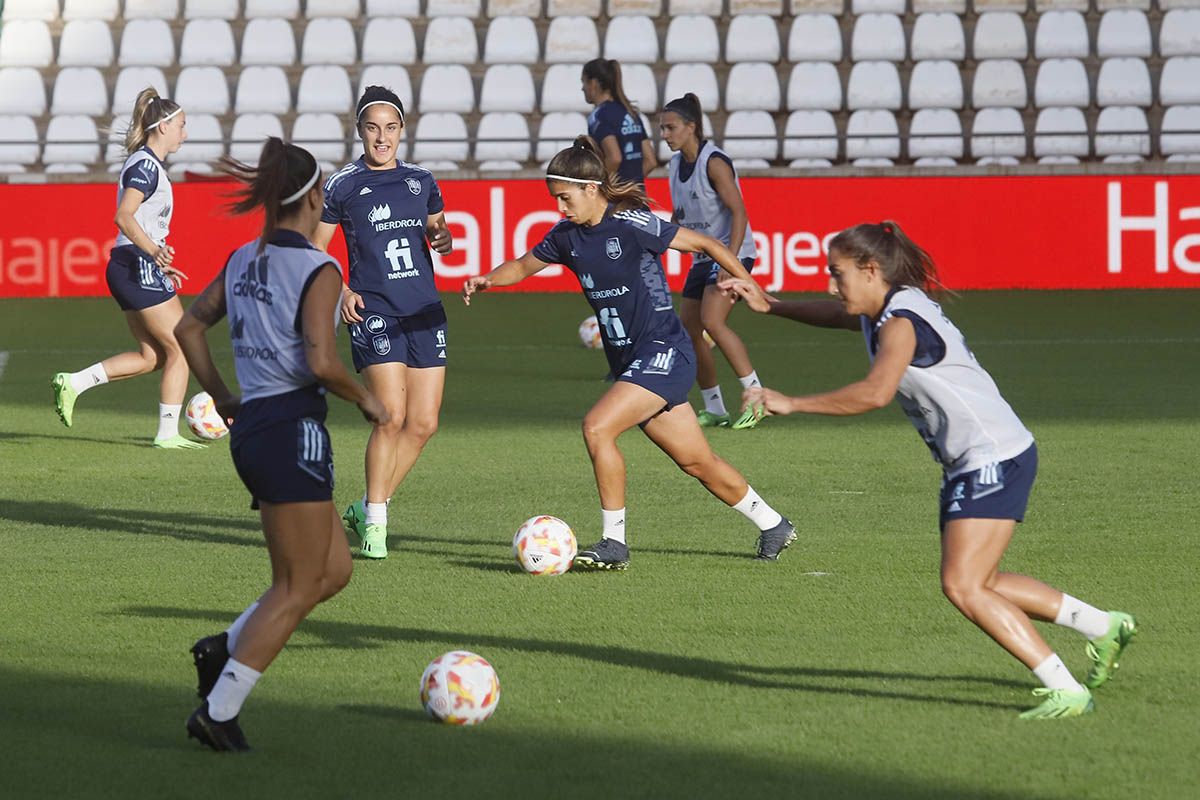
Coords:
857,398
190,334
818,313
507,274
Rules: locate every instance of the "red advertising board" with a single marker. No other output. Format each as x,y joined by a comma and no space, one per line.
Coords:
1043,232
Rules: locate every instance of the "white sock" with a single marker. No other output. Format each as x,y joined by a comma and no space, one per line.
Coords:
1053,674
377,514
713,402
88,378
235,630
757,511
1079,616
234,685
168,421
750,380
614,524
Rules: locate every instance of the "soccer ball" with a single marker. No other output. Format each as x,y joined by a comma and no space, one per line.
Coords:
544,545
589,334
460,688
203,419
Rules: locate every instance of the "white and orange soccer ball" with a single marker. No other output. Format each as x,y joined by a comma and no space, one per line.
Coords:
589,334
544,545
460,688
203,419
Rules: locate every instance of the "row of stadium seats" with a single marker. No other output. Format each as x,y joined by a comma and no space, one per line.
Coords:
629,39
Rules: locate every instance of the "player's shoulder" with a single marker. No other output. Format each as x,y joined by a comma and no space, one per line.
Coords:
642,218
345,178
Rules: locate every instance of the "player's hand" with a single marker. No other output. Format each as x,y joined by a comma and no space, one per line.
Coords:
228,407
480,283
164,255
175,275
440,239
373,410
749,291
351,302
766,401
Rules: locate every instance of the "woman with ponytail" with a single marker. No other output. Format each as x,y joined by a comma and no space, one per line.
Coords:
281,295
988,458
613,244
141,274
615,123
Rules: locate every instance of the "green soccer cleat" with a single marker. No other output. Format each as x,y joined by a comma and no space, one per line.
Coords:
1060,704
1105,652
707,419
355,518
749,418
374,541
64,397
178,443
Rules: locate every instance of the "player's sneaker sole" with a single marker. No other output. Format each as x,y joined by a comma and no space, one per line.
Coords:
354,518
585,562
749,418
1105,653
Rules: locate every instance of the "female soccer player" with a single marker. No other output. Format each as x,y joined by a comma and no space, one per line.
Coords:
613,244
615,124
281,295
387,209
988,457
707,197
140,274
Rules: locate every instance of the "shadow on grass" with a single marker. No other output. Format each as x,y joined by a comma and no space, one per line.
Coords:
26,437
187,527
501,545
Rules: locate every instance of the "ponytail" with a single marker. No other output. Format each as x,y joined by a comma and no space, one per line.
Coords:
607,72
149,111
583,163
901,260
284,176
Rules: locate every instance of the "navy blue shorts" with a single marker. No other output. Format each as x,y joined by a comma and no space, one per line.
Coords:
665,369
135,281
997,491
705,274
418,341
288,462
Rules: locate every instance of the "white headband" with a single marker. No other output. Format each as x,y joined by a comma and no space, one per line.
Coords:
164,119
287,201
573,180
385,102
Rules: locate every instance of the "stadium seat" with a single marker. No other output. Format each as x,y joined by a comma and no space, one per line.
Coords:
22,91
561,89
389,41
810,135
107,10
877,6
998,132
331,41
285,9
752,37
513,8
1124,159
1123,32
248,134
810,163
450,40
151,9
390,76
700,79
926,162
201,89
79,90
268,41
211,9
1180,33
1178,85
1000,34
85,43
752,87
1061,34
25,43
742,164
935,84
938,36
1184,119
1122,130
1058,160
178,170
836,7
1060,132
940,6
773,8
1043,6
501,165
147,43
42,10
1000,161
447,87
815,37
502,136
645,8
709,8
71,139
934,133
512,40
1124,82
751,134
207,42
324,88
1107,5
558,130
999,83
263,89
349,9
877,37
691,38
132,80
814,85
1168,5
573,8
640,86
452,8
872,133
67,168
873,84
571,40
18,139
322,135
508,87
1061,82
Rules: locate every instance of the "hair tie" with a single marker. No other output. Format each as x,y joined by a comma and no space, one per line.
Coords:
887,229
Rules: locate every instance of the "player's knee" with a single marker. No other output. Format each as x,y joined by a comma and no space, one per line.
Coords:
698,467
303,595
713,323
959,589
395,423
337,577
421,428
595,432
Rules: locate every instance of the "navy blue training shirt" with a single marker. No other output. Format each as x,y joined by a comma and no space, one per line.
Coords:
610,118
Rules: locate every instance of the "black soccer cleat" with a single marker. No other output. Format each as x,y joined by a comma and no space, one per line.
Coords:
224,737
209,655
605,554
773,542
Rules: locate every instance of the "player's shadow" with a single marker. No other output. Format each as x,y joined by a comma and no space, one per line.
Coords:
26,437
186,527
821,680
475,544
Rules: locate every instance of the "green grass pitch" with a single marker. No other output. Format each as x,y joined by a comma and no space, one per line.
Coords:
838,672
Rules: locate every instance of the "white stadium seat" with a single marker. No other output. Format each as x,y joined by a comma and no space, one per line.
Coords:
877,6
329,41
569,8
741,164
508,87
1061,82
1124,32
79,90
107,10
1185,119
389,41
810,163
447,87
873,84
872,133
982,6
1122,130
645,8
939,6
1000,34
25,43
151,9
207,42
389,76
814,85
1178,85
22,91
692,38
751,134
1060,132
502,136
998,132
513,8
286,9
147,43
1180,33
640,85
201,89
43,10
561,89
85,43
131,81
700,79
501,165
248,134
1058,160
810,135
999,83
450,40
350,9
999,161
709,8
211,9
1124,159
268,41
263,89
324,88
752,87
452,8
511,40
935,84
205,139
571,40
752,37
935,161
815,37
71,139
938,36
1168,5
877,37
1061,34
18,139
772,7
322,135
1124,82
934,133
557,131
1043,6
67,168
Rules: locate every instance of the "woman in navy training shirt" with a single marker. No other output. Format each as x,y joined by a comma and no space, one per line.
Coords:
615,123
